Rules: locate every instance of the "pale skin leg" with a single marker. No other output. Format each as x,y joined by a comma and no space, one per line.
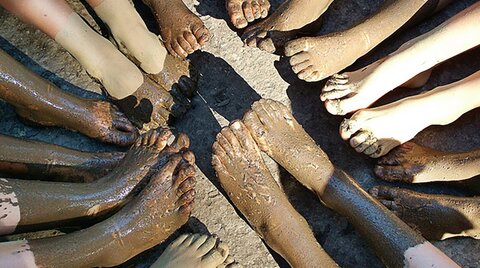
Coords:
279,135
413,163
376,131
272,33
161,208
316,58
414,57
34,204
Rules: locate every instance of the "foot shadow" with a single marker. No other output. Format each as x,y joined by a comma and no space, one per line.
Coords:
14,126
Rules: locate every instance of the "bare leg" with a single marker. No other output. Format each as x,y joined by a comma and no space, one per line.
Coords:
161,208
316,58
437,217
291,17
144,102
195,250
413,163
34,204
181,30
279,135
131,34
378,130
38,100
251,187
241,12
414,57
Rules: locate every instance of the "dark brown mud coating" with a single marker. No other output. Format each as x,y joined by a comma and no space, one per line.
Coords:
160,209
38,160
282,138
41,201
410,162
182,31
41,102
435,216
150,106
251,187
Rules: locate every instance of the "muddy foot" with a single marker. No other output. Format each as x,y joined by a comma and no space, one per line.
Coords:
344,93
437,217
251,187
161,208
279,135
241,12
96,119
150,106
289,20
195,250
181,30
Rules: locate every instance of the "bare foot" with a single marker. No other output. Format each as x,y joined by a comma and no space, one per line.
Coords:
195,250
150,106
241,12
251,187
284,24
437,217
279,135
181,30
344,93
413,163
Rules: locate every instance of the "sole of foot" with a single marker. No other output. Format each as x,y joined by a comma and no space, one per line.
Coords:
437,217
241,12
196,250
99,120
348,92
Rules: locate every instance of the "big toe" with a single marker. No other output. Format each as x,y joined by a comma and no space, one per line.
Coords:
235,12
266,45
391,173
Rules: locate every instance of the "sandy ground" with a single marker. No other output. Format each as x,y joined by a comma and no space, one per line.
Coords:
233,77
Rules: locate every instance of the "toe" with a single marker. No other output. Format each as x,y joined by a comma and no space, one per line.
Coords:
185,44
189,240
178,49
297,68
186,186
306,72
359,139
225,145
248,11
257,12
265,6
120,138
189,157
186,209
263,113
177,242
236,14
120,122
334,107
299,58
266,45
371,150
186,198
202,35
348,127
207,246
213,258
390,173
219,154
185,171
199,242
296,46
232,140
241,133
255,126
360,148
342,91
192,40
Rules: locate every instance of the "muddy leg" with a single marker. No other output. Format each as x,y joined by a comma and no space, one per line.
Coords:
36,204
316,58
39,101
161,208
281,137
437,217
251,187
413,163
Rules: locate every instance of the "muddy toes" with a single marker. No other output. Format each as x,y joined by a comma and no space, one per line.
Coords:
336,87
241,12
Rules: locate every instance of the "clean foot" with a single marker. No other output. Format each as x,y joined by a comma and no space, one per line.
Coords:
437,217
344,93
250,186
241,12
195,250
182,31
285,23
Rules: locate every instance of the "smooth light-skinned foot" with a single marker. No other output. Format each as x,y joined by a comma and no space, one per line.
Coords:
251,187
344,93
414,163
291,18
241,12
437,217
195,250
181,31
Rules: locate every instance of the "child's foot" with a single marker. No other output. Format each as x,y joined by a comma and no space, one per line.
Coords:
284,24
437,217
182,31
195,250
241,12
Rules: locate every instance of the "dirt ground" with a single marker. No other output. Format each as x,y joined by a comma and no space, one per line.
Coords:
233,77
